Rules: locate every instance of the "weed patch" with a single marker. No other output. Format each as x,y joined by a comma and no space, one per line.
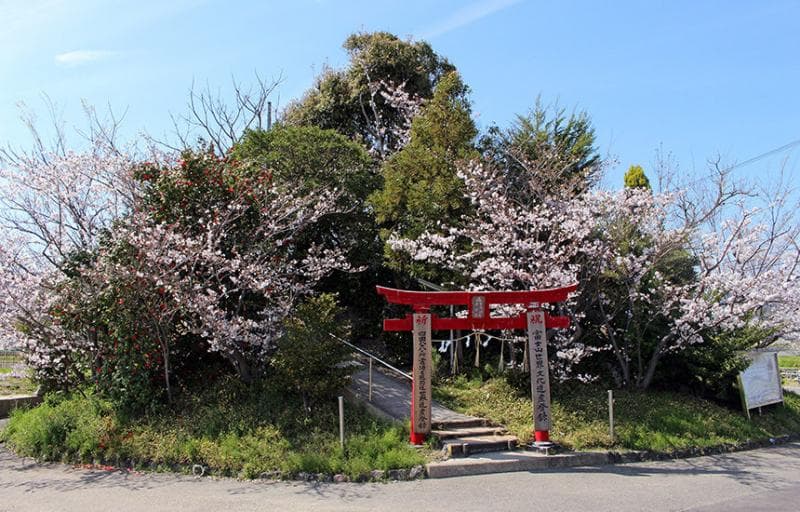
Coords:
652,420
231,429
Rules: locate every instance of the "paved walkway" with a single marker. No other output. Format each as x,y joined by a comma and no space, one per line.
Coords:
767,479
392,396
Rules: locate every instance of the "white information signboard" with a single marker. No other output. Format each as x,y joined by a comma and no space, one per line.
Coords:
760,383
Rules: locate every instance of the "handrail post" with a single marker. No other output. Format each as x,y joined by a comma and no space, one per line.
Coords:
611,414
341,421
370,379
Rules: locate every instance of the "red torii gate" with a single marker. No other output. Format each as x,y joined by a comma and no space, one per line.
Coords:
422,322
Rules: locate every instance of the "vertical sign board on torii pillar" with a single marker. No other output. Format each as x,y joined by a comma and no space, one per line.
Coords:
421,385
540,375
421,323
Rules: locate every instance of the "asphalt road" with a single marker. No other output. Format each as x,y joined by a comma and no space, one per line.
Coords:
767,479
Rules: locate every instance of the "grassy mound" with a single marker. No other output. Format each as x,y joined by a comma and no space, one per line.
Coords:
655,421
232,429
789,361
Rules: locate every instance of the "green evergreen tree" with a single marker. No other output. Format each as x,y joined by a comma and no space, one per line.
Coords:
420,182
636,178
546,152
341,99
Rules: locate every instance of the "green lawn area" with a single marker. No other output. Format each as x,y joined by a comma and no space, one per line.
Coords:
656,421
231,429
789,361
14,386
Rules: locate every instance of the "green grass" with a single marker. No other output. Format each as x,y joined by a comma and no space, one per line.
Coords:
789,361
655,421
15,386
232,429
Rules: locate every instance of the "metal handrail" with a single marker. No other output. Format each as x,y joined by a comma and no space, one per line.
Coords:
9,358
372,357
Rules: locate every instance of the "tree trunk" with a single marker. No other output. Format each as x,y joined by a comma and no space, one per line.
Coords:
243,369
644,382
165,354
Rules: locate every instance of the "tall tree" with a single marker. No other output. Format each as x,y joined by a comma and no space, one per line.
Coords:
357,101
548,147
421,185
307,160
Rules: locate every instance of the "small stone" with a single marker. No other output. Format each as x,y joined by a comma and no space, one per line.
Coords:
271,475
377,474
340,478
397,474
416,472
323,477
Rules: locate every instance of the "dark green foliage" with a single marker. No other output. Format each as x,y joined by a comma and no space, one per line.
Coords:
710,368
421,187
340,100
308,360
546,152
636,178
308,159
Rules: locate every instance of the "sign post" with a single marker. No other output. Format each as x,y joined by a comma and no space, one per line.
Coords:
760,383
421,385
540,375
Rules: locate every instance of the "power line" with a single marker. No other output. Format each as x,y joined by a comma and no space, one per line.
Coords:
746,162
764,155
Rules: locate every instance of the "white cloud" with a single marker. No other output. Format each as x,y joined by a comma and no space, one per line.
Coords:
467,15
80,57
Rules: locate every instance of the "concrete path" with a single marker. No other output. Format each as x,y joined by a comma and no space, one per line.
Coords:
392,396
767,479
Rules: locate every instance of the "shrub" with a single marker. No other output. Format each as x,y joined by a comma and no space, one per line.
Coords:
308,359
232,428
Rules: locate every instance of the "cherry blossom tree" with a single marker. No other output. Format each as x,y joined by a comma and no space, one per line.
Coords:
58,204
103,252
658,272
55,205
237,298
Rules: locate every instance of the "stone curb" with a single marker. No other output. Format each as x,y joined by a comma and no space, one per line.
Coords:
8,403
504,462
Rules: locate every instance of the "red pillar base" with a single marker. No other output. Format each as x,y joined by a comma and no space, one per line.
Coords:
417,438
541,436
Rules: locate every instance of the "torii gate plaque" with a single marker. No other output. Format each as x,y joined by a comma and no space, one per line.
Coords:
422,322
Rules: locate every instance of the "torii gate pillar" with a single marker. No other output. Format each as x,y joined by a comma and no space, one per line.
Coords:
422,323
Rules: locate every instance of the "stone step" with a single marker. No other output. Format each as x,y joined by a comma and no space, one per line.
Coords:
470,445
453,424
502,462
468,432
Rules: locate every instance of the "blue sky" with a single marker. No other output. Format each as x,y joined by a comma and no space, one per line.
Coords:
698,78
